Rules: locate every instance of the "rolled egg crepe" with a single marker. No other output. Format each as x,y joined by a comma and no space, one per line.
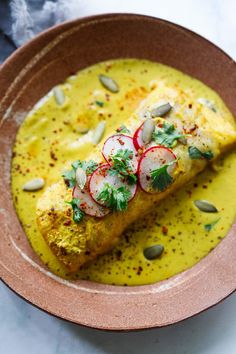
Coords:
206,128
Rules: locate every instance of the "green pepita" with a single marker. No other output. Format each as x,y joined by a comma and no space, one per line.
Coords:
148,129
59,95
98,132
161,110
153,252
205,206
109,83
34,185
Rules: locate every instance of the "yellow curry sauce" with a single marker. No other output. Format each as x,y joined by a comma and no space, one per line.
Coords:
50,139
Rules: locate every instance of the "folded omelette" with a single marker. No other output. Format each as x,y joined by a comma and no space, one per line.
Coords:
193,131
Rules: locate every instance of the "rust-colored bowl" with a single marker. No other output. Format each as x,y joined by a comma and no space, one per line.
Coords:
27,76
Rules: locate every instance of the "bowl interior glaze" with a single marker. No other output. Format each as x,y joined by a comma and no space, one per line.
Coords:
27,76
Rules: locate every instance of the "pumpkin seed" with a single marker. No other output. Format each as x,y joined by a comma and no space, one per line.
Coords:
109,83
207,103
205,206
161,110
59,95
80,177
34,185
98,133
148,129
153,252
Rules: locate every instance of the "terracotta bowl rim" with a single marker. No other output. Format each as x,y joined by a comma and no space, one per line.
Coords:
10,62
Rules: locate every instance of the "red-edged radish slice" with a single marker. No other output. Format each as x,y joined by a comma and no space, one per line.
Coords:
101,176
152,159
87,204
120,142
137,138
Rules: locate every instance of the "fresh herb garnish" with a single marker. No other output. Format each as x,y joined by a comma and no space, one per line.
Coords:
195,154
115,198
99,103
69,176
121,165
161,178
123,129
209,227
78,214
167,135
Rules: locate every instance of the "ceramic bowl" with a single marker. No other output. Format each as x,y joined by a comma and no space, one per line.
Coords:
27,76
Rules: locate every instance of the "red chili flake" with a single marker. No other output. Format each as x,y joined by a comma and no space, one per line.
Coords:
53,156
67,222
164,230
139,271
190,129
122,108
120,141
204,186
51,165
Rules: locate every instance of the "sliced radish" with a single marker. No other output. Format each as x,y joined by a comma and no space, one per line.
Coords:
152,159
87,204
101,176
137,139
120,142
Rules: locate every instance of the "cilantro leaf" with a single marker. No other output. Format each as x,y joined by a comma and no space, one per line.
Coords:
121,165
209,227
167,135
115,198
78,214
89,166
161,178
195,154
69,176
123,129
99,103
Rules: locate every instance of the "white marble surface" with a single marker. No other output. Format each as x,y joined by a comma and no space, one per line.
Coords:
26,330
